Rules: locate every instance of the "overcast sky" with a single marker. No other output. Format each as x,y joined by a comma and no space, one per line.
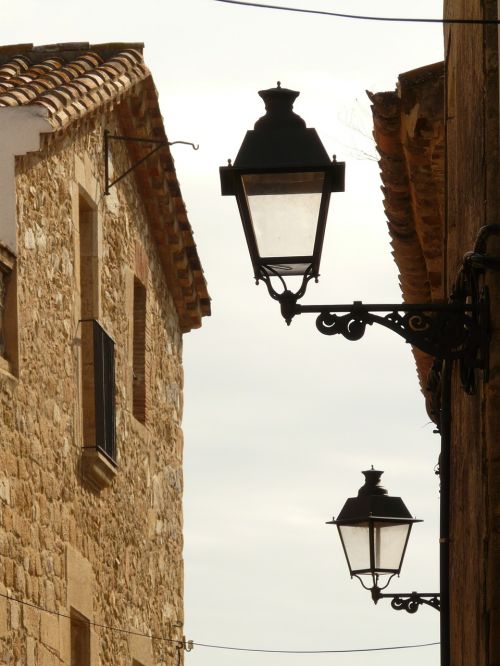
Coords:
280,421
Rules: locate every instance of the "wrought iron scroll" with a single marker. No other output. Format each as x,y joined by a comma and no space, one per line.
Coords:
447,332
409,602
412,602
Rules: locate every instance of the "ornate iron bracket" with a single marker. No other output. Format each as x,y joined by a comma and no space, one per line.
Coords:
409,602
456,330
157,143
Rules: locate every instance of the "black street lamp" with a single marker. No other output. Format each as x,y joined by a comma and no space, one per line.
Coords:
282,179
374,529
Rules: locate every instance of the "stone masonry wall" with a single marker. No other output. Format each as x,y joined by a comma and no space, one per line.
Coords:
114,555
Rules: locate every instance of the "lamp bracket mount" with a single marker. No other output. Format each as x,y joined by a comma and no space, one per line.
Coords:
456,330
409,602
156,144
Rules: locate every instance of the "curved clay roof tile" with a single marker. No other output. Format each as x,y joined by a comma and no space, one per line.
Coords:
10,99
15,66
50,101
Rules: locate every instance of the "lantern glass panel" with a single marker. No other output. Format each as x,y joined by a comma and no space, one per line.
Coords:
284,208
356,540
389,541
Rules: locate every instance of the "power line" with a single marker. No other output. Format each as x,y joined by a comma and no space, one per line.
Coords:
89,622
377,649
393,19
180,643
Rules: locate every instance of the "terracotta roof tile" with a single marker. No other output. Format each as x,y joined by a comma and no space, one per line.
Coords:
73,80
409,134
55,76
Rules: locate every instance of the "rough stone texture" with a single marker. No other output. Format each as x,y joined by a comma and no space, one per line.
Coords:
115,556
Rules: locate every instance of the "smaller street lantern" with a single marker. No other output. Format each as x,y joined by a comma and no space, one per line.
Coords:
282,179
374,529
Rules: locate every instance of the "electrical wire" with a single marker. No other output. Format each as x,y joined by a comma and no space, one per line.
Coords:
447,21
377,649
180,643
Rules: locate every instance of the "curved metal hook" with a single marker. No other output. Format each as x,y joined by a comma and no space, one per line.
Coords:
185,143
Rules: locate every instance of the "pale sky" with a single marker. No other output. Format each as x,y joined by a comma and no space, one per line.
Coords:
279,422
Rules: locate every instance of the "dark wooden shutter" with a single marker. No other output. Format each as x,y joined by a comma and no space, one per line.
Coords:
104,384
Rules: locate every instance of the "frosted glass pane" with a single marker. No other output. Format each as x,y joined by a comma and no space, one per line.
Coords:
357,545
389,543
284,209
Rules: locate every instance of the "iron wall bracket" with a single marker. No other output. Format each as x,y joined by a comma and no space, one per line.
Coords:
456,330
409,602
157,143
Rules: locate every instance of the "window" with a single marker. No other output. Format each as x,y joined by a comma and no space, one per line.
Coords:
97,359
80,639
139,352
98,374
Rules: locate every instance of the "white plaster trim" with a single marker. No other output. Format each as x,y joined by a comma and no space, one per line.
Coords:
20,129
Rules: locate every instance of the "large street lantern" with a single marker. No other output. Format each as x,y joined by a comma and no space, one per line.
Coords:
374,529
282,179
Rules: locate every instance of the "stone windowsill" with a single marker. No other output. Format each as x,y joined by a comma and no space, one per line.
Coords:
98,470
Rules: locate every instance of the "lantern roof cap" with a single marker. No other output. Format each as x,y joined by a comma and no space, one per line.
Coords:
281,140
373,503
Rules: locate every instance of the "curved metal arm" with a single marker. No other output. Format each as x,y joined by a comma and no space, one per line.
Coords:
456,330
443,330
410,602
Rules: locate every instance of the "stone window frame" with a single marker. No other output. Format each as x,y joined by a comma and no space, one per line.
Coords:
139,361
97,470
139,350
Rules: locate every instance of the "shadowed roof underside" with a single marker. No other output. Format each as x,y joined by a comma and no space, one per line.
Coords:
409,134
73,80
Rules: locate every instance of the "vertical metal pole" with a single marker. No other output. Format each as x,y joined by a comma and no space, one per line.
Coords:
444,532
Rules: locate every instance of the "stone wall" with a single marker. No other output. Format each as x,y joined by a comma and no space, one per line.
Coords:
114,555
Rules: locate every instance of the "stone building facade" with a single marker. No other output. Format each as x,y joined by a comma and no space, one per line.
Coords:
96,293
438,136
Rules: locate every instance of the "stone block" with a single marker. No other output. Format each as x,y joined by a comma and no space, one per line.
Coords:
49,631
30,651
79,578
31,621
4,613
141,649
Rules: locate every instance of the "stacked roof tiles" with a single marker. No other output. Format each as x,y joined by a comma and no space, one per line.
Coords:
68,80
73,80
409,134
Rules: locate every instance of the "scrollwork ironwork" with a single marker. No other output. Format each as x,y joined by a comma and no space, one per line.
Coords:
457,330
412,602
409,602
442,333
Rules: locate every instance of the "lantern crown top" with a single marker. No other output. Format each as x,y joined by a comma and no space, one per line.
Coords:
373,502
372,483
279,104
